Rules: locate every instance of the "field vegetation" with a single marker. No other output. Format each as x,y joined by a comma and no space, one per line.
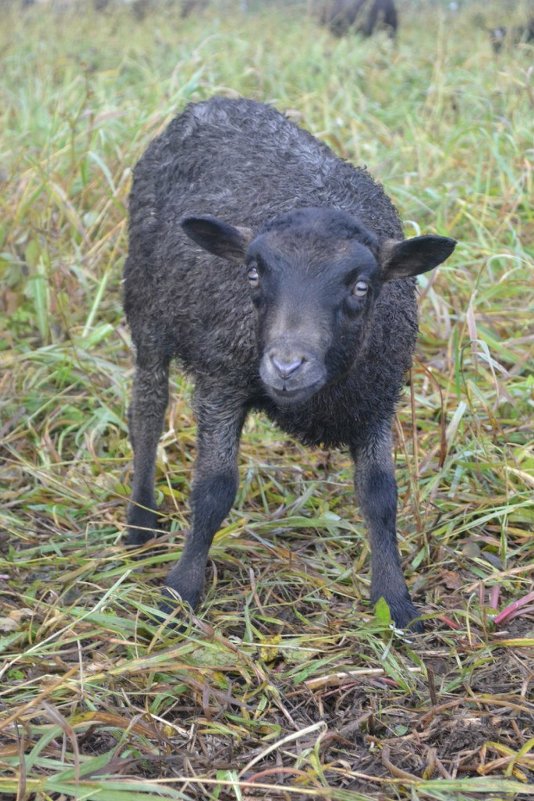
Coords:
286,684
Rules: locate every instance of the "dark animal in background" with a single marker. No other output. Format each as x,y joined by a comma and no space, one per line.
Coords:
189,7
501,37
278,276
362,16
139,8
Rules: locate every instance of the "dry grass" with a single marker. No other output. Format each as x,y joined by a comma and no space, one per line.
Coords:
286,686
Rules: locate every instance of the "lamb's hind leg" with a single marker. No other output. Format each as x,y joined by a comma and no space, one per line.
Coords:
377,495
145,415
220,414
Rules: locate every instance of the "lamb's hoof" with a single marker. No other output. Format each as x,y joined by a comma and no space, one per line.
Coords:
141,525
186,582
405,619
136,537
404,614
416,626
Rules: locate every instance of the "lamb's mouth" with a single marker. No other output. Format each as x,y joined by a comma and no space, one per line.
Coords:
292,396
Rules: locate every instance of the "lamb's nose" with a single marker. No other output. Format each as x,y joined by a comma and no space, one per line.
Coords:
286,368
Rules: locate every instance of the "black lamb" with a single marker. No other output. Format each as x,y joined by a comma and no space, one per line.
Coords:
278,276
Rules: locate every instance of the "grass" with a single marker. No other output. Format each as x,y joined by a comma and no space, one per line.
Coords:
286,685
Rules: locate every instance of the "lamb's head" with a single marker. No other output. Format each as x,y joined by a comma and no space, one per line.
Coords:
314,276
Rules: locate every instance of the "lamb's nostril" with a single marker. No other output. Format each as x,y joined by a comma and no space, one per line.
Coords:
286,368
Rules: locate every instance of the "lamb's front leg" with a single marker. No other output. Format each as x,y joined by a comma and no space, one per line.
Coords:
377,495
220,416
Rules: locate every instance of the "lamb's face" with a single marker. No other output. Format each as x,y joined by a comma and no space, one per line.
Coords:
313,290
314,275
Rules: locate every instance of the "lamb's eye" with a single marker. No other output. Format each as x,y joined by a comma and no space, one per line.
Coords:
253,277
359,290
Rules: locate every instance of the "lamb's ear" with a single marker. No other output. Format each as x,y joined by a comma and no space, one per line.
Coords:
403,258
218,237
